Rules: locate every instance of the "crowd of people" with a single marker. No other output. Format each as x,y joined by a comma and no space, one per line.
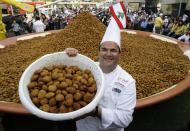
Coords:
39,22
176,27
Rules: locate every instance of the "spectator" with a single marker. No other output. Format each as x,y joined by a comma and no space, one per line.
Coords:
167,29
165,22
158,23
16,28
150,25
179,31
136,23
184,17
44,19
186,37
2,31
50,24
186,25
38,25
174,28
143,25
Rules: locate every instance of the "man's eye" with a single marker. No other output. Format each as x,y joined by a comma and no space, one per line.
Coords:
103,50
114,51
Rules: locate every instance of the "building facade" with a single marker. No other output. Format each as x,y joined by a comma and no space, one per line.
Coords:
135,4
175,7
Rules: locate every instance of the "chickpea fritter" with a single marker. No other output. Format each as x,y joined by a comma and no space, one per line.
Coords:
61,89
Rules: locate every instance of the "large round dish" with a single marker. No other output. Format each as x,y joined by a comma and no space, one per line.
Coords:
60,58
141,103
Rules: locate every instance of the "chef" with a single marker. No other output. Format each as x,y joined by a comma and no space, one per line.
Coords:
115,109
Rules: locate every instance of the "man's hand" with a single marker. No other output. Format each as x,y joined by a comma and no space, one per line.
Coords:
71,52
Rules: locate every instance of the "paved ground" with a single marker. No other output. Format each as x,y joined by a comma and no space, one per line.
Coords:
171,115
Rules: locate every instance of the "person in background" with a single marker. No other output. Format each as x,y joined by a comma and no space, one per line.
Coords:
179,31
158,23
116,107
129,26
165,24
36,12
16,28
143,25
2,31
50,24
186,25
174,28
136,23
184,17
38,25
186,37
167,29
150,25
165,21
44,19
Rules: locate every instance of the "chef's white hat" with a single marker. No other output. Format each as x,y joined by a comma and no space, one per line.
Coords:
112,33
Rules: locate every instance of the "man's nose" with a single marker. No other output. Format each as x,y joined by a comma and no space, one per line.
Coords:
109,53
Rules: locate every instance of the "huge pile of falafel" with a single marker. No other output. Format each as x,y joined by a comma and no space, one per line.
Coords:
156,65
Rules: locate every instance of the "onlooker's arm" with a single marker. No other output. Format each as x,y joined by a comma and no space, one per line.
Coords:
181,37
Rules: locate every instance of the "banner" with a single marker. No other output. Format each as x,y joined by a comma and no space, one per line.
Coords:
23,6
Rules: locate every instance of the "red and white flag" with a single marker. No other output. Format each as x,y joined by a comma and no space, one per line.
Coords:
117,22
118,12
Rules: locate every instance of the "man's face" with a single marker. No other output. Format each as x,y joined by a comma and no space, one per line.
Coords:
109,55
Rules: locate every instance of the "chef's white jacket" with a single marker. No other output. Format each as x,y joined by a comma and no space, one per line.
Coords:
117,104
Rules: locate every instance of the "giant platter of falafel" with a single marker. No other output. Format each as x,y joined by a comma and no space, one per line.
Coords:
156,65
